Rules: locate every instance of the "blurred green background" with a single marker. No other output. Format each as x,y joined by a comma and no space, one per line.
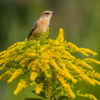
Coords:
79,18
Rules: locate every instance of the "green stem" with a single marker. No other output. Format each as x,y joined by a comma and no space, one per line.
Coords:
48,90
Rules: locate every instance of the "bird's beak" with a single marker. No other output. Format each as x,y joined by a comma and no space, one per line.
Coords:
53,12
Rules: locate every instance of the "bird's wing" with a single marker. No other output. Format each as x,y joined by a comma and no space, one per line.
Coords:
33,28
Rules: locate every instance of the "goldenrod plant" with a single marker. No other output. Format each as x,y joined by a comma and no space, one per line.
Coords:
51,66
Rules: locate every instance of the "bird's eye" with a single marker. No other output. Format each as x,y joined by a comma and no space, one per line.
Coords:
47,13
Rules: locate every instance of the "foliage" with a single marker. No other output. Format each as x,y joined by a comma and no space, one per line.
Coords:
51,66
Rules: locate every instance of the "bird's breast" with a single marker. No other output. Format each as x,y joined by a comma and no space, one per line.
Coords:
42,26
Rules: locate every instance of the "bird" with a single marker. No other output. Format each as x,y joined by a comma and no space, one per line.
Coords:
41,25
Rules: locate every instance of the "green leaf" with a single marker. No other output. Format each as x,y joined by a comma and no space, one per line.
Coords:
40,78
32,99
42,94
63,98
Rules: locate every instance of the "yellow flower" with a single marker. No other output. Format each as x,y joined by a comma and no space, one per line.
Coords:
34,65
60,37
22,84
66,86
33,75
49,63
88,51
83,63
81,73
7,73
24,62
83,51
18,58
46,69
7,65
96,75
91,60
15,74
90,96
2,53
67,55
38,88
97,82
62,72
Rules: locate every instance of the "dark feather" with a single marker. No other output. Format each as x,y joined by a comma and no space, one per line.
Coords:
32,30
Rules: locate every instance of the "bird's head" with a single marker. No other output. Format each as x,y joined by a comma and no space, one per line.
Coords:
47,14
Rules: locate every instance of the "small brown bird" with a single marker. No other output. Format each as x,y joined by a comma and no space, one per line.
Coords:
41,25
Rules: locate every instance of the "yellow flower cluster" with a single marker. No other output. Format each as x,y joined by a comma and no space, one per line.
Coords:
48,59
22,84
15,74
38,88
66,86
91,97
